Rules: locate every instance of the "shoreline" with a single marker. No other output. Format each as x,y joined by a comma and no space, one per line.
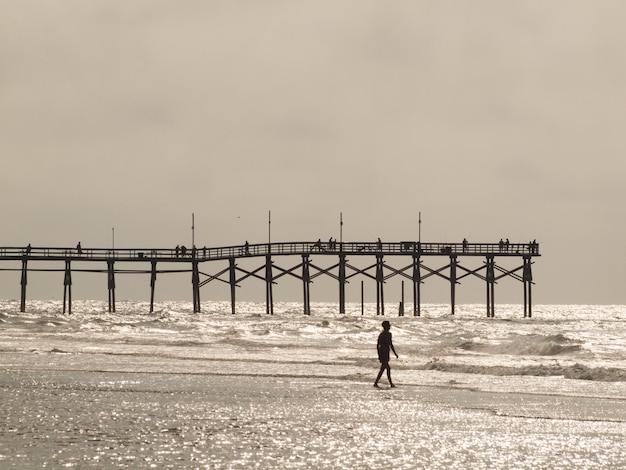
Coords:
104,419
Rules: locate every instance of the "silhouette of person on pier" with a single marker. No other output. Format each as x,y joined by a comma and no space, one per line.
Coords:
79,249
384,346
246,248
177,250
318,245
183,251
28,249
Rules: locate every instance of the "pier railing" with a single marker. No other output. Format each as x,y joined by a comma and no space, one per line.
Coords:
263,249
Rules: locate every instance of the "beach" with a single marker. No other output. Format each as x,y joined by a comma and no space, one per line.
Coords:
177,391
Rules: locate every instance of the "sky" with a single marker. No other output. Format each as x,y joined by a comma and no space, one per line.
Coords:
494,119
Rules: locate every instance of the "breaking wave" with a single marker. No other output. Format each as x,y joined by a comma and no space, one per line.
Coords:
527,345
575,371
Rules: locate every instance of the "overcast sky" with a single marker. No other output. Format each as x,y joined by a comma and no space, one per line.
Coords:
493,118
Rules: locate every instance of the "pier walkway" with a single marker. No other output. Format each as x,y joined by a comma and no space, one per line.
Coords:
305,269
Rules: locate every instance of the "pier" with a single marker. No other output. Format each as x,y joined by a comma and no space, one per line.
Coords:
304,261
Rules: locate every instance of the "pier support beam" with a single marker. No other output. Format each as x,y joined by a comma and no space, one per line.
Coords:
417,281
153,276
491,280
306,281
401,307
195,284
67,288
528,281
452,283
362,299
111,285
380,295
232,280
342,283
23,283
269,280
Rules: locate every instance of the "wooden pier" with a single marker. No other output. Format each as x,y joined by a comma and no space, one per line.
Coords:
304,263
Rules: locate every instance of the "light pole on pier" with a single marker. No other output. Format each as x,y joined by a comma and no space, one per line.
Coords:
269,230
419,229
193,230
340,228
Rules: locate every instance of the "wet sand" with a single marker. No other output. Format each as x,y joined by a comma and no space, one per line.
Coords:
59,411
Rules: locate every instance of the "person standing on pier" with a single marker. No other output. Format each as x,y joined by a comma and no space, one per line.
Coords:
384,346
318,245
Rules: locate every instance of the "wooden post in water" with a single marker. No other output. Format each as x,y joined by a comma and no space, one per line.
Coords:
233,282
24,282
362,299
342,282
416,285
490,277
153,276
401,308
67,287
525,290
269,296
530,295
452,282
528,280
195,283
380,295
306,287
111,284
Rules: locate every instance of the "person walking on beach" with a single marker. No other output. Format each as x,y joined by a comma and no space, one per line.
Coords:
384,346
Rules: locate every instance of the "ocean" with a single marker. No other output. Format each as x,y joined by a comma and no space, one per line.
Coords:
174,389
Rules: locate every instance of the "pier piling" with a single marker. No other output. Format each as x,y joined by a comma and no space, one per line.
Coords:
417,280
306,285
23,283
490,278
233,282
269,281
195,283
153,277
380,280
111,284
452,282
67,288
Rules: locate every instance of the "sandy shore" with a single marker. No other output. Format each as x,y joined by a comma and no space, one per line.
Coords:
57,412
